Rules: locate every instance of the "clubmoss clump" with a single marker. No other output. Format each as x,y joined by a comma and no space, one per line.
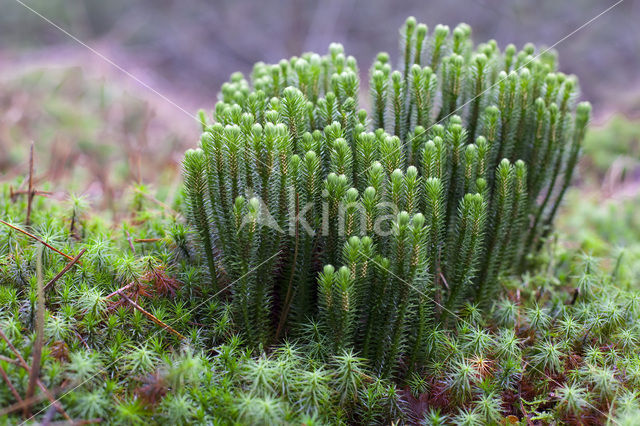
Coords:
381,225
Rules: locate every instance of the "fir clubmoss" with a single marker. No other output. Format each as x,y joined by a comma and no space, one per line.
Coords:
454,179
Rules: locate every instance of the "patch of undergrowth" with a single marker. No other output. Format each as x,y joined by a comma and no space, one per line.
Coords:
604,227
549,351
613,149
600,214
104,357
559,345
90,134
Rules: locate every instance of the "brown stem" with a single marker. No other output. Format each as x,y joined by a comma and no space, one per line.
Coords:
576,292
10,360
36,238
23,404
13,390
150,316
37,346
65,269
72,226
133,250
13,194
30,199
82,339
160,203
126,287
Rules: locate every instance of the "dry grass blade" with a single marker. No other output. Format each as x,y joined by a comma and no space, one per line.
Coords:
11,387
150,315
133,249
126,287
9,360
37,347
38,239
13,194
168,209
147,240
31,194
65,269
26,403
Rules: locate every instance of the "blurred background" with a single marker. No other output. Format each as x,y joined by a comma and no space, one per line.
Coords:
188,48
99,132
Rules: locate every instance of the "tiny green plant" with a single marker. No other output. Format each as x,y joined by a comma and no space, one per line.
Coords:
381,224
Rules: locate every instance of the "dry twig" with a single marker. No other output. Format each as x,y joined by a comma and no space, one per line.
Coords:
13,194
22,404
13,389
126,287
10,360
158,202
147,240
65,269
133,250
150,316
30,199
40,240
34,374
